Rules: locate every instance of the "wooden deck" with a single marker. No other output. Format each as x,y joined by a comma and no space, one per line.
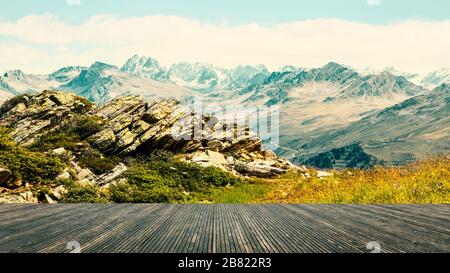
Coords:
159,228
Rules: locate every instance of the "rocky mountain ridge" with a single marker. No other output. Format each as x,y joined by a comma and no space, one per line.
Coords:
131,125
200,77
428,80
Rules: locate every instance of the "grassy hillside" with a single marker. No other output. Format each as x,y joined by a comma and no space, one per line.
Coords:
423,182
164,179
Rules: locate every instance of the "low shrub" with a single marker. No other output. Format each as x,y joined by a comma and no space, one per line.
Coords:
86,126
29,166
84,194
129,193
54,140
161,178
69,135
96,162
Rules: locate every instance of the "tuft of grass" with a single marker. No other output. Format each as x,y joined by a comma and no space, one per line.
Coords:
53,140
242,193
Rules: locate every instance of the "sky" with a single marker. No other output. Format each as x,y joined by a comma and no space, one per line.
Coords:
42,36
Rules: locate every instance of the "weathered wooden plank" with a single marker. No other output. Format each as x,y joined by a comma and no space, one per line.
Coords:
159,228
404,227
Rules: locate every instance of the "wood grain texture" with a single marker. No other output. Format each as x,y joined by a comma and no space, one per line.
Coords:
162,228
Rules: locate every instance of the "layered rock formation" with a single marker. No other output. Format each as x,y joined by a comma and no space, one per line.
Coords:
31,116
132,126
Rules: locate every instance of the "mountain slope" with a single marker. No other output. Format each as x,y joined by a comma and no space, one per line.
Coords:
17,82
208,78
4,95
66,74
434,78
102,82
399,133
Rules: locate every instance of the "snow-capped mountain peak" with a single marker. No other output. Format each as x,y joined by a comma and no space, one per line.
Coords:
436,78
201,77
145,66
14,74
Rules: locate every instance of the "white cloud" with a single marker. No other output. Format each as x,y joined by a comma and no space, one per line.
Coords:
374,2
411,46
73,2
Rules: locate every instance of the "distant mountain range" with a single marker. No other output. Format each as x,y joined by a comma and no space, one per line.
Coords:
197,76
102,82
342,82
428,80
99,83
332,117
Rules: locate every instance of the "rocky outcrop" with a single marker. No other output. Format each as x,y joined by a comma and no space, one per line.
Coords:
263,164
13,197
31,116
132,125
137,126
259,169
110,177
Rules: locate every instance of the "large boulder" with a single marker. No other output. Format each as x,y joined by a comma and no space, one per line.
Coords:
59,192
